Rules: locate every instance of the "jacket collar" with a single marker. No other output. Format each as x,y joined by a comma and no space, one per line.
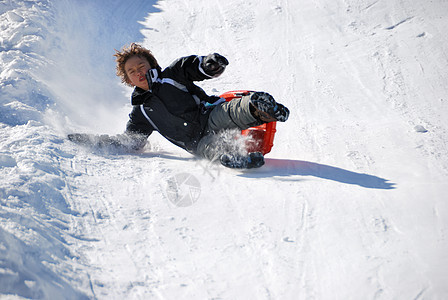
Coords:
139,96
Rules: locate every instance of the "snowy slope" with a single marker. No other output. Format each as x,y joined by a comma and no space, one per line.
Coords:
351,203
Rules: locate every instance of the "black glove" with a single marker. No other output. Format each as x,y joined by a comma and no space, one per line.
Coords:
214,64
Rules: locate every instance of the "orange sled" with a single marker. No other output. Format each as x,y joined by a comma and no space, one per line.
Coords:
262,137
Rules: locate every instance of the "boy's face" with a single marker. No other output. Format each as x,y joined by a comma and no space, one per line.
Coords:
136,68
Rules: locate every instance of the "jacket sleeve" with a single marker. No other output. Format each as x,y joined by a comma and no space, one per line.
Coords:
190,68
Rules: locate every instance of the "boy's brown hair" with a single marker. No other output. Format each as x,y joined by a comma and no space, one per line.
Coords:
126,53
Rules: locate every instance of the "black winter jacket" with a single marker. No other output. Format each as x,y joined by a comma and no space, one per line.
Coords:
173,105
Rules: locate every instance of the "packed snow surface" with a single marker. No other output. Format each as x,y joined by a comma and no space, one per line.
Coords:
351,204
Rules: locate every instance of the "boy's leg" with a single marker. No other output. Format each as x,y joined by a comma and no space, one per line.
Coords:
252,110
235,114
224,124
212,146
226,147
239,114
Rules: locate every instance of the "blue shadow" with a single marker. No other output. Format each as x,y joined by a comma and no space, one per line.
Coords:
287,167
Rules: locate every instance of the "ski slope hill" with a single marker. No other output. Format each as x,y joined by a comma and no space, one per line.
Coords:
351,203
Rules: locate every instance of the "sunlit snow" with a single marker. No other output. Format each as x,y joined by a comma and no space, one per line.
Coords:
352,201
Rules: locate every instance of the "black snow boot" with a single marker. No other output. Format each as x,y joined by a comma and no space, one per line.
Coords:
266,109
249,161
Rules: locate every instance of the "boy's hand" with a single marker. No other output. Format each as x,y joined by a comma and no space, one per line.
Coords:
214,64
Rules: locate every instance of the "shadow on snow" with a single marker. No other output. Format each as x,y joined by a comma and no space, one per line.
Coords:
286,167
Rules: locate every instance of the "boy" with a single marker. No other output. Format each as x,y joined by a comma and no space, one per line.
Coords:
169,102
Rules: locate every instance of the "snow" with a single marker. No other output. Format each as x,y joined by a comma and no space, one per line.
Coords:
351,203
